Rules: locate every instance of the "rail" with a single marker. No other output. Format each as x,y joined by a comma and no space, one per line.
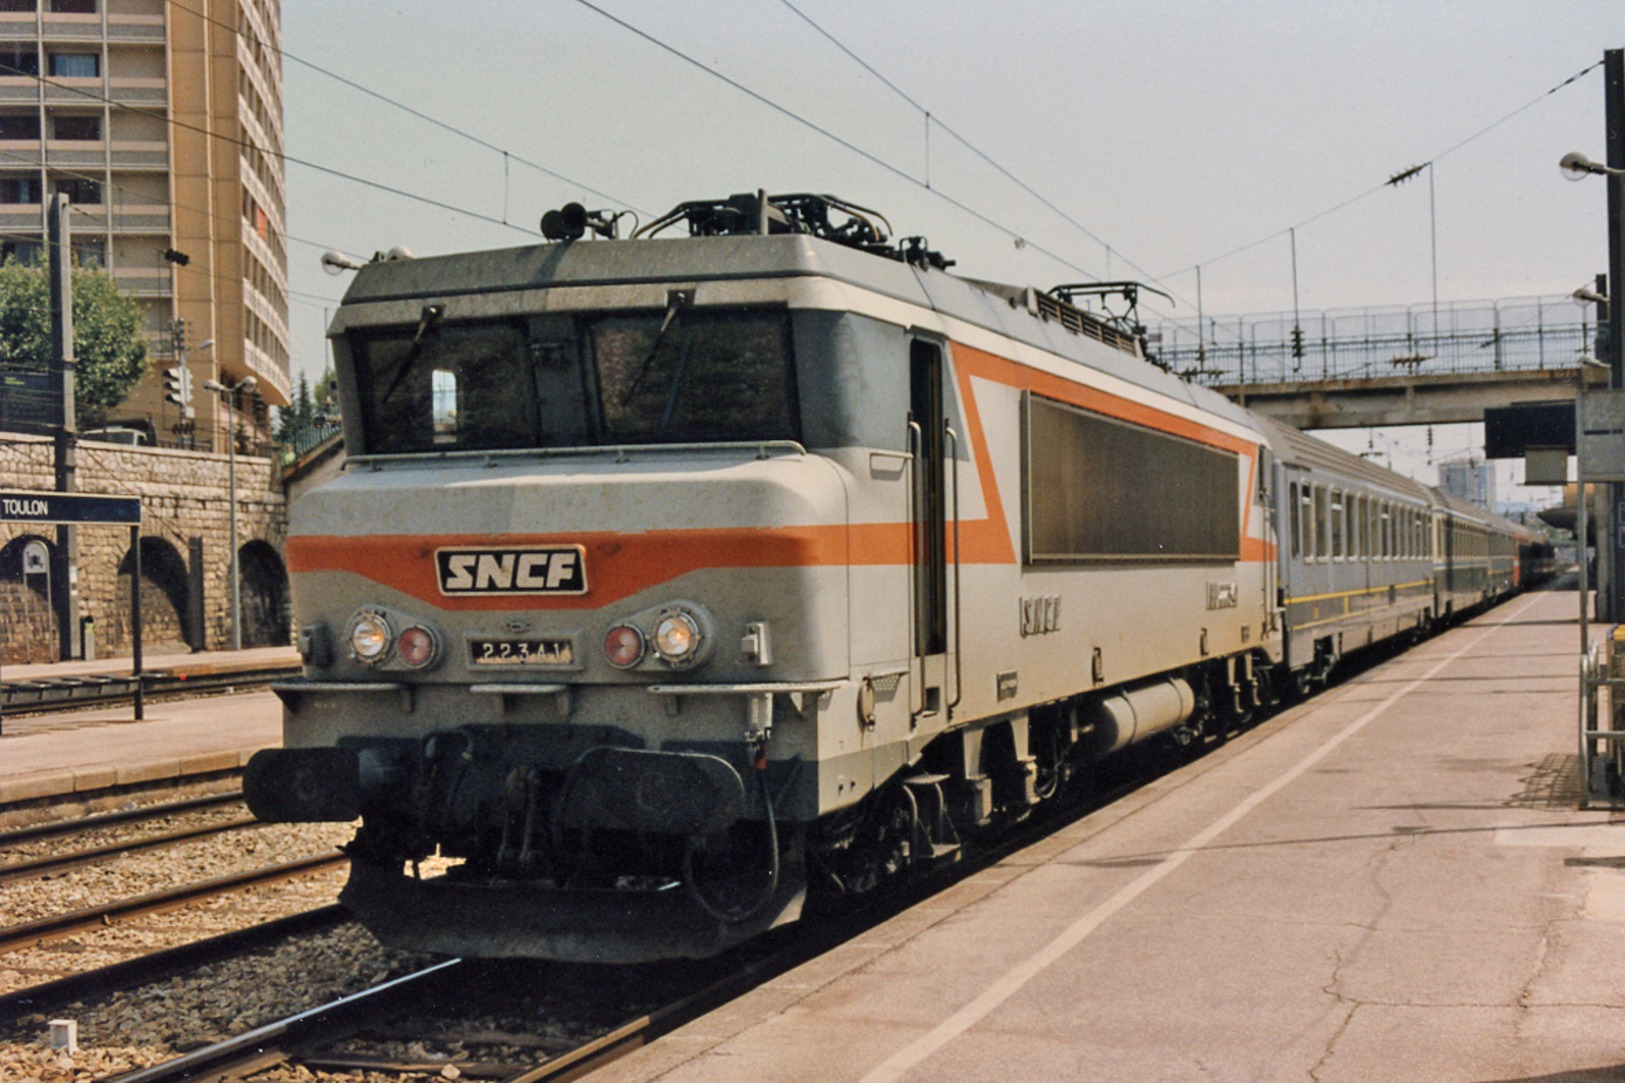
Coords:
74,692
30,933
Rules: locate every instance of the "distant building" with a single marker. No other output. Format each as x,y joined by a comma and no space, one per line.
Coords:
1470,479
163,124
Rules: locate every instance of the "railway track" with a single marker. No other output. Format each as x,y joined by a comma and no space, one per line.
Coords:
44,929
341,1038
63,828
64,862
128,974
102,689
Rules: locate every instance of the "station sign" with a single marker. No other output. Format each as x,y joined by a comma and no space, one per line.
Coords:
1603,425
57,508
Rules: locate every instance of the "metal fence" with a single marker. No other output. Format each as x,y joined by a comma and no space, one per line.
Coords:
304,439
1341,345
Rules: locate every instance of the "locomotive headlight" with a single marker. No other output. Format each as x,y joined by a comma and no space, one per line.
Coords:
623,645
370,637
677,637
417,647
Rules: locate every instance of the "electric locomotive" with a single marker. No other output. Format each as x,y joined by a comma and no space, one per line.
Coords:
674,579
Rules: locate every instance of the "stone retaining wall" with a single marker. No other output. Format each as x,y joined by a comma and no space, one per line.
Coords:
184,499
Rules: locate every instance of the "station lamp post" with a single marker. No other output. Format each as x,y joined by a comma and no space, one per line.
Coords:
228,393
1576,167
1581,528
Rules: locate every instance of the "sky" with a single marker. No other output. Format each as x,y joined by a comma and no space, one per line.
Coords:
1032,142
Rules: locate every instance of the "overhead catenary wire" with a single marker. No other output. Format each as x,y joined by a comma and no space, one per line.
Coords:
1392,180
931,119
507,154
6,69
868,156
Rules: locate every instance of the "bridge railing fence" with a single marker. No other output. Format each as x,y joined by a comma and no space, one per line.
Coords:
1380,342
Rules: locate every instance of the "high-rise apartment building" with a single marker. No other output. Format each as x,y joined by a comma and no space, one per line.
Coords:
1470,479
162,122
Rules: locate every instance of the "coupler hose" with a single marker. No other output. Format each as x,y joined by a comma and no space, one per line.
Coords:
737,914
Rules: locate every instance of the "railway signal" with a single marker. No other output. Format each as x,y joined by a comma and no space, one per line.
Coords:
178,388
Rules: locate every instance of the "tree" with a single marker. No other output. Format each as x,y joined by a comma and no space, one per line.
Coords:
297,416
109,350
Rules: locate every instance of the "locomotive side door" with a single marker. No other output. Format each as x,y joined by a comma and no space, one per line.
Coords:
929,536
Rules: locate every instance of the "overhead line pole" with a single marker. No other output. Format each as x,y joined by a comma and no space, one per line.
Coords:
65,559
1614,123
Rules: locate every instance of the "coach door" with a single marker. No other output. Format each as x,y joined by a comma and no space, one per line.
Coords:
927,432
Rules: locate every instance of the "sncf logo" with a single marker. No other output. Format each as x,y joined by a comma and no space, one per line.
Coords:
504,571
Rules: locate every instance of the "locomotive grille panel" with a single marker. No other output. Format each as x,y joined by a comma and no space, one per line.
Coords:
1103,490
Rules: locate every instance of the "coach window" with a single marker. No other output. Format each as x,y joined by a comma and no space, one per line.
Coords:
1322,535
1362,517
1295,531
1307,505
1338,535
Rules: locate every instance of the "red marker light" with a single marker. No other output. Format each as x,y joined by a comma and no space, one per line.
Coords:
416,647
623,645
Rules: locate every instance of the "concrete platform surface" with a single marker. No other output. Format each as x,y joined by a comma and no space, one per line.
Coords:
274,656
50,755
1389,882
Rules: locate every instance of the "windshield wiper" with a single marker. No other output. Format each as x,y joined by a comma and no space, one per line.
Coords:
675,301
428,319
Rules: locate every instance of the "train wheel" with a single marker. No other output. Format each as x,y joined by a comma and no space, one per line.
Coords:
883,849
1268,693
1301,685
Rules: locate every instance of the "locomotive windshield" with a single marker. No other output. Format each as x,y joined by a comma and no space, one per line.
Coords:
555,382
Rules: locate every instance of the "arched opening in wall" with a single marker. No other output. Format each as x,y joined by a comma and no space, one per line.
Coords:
27,621
264,595
164,593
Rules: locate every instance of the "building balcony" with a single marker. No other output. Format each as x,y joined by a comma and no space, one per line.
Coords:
72,90
25,217
18,26
15,154
142,283
62,27
19,89
138,92
76,153
135,28
140,219
138,154
270,375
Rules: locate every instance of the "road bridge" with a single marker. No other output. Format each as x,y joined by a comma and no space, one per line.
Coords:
1387,366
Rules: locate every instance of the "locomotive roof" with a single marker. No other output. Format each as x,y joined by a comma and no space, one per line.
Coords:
999,308
1019,313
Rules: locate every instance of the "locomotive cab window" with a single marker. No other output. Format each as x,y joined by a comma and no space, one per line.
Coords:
434,388
695,377
553,381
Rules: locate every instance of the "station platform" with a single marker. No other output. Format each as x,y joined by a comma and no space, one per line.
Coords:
64,754
1391,881
224,660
